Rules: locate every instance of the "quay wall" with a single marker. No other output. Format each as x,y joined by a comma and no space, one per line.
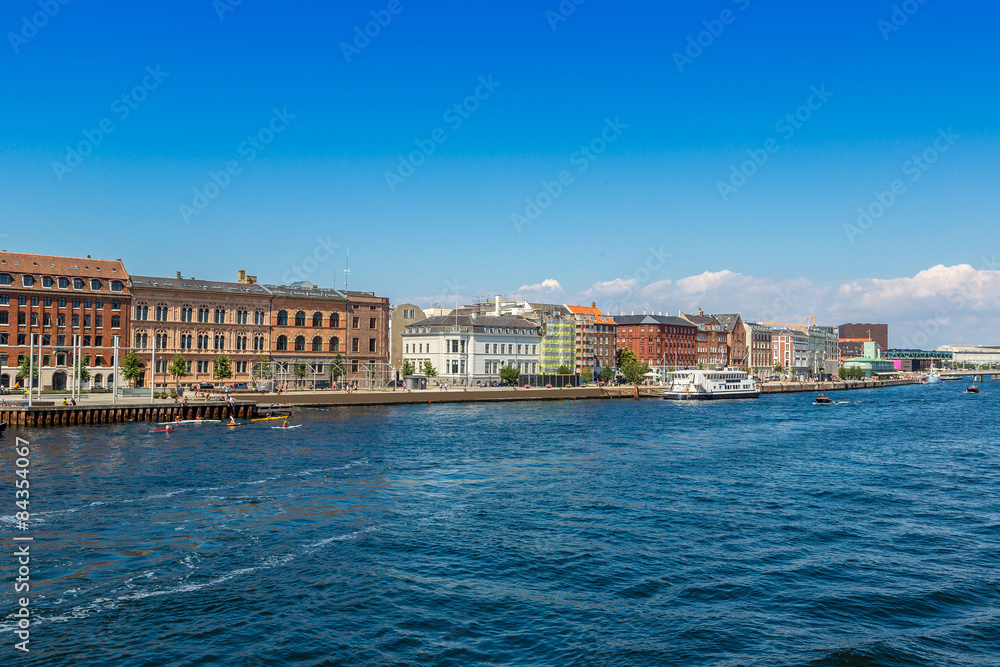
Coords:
790,387
60,415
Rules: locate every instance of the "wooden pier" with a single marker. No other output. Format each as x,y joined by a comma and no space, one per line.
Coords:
74,415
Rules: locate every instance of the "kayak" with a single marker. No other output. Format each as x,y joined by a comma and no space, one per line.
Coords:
166,430
285,428
264,419
193,421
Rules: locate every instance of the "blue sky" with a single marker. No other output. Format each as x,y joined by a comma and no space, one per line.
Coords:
345,115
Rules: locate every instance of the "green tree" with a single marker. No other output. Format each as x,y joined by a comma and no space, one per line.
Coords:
25,368
178,368
509,374
701,366
223,369
635,371
407,368
624,355
779,369
82,371
132,367
607,374
337,368
842,372
429,369
857,373
299,371
564,370
587,374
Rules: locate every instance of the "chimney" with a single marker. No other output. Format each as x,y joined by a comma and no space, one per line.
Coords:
242,276
593,304
497,306
178,275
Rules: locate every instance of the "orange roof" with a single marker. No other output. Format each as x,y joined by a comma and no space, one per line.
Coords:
16,262
599,317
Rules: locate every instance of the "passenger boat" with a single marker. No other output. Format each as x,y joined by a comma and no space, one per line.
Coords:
693,385
823,399
933,378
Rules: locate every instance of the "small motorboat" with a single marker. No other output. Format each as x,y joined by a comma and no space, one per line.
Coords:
823,399
972,389
3,427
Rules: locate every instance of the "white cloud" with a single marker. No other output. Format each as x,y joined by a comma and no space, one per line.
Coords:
549,285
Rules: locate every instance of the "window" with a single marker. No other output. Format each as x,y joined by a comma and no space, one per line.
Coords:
3,317
335,320
140,341
220,342
317,319
76,321
77,283
282,342
202,366
371,322
187,313
4,340
317,344
34,301
5,279
29,281
282,318
371,344
258,317
21,338
335,344
354,322
95,285
98,303
116,304
141,312
241,367
4,300
220,315
47,301
86,343
34,319
46,281
354,345
203,315
202,341
98,340
241,317
160,314
300,343
300,319
63,283
98,321
185,341
60,320
116,322
258,343
116,286
241,342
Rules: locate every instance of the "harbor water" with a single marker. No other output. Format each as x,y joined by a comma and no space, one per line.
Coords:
602,532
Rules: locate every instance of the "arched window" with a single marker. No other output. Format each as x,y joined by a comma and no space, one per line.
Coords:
317,319
300,319
282,318
300,343
98,379
282,343
317,344
335,344
335,320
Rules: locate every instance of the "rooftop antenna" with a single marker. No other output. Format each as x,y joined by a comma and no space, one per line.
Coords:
347,269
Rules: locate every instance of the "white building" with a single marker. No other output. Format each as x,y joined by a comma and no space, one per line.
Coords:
987,356
466,349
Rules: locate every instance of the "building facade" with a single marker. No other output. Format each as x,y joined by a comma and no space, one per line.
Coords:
308,336
51,300
200,320
712,349
876,332
658,340
467,349
760,355
790,348
594,339
736,339
399,317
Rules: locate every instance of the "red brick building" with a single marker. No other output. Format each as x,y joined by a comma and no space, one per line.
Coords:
712,348
658,340
54,299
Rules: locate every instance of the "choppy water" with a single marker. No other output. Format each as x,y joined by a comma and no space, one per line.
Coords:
769,532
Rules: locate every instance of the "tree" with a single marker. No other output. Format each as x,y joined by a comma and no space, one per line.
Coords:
132,367
779,369
588,374
223,369
178,368
299,371
564,370
842,372
407,368
607,373
337,368
856,373
265,367
701,366
429,370
82,372
635,371
624,355
25,368
509,374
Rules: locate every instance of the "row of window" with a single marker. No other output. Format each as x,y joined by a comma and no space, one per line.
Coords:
46,340
63,283
458,346
281,320
161,313
240,367
46,320
46,301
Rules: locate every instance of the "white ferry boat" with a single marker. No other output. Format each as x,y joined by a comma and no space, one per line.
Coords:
705,385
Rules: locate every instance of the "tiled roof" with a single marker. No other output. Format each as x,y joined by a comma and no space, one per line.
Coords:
464,321
630,320
52,265
192,285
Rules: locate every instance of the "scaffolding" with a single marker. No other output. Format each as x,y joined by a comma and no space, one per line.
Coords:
297,374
